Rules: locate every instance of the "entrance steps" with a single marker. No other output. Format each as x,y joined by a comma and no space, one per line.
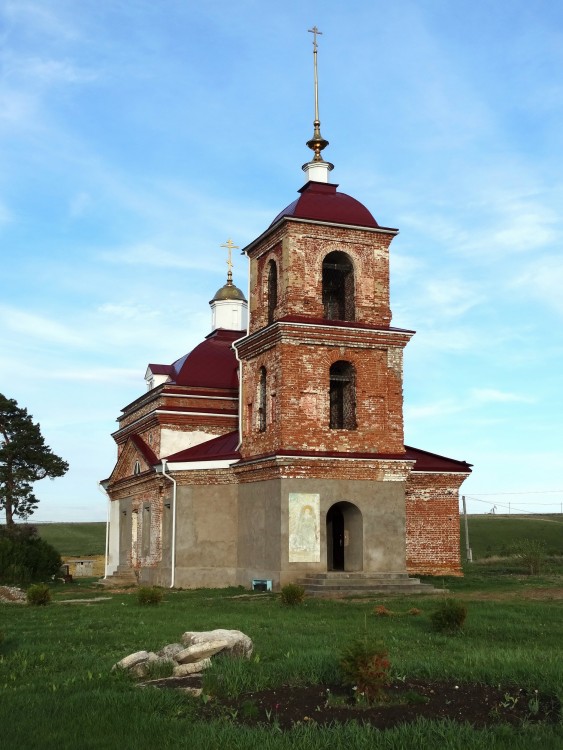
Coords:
341,584
123,576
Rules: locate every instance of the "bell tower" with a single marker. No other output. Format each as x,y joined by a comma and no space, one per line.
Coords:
321,370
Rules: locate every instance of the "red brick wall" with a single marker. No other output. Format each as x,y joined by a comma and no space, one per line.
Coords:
297,361
299,249
432,515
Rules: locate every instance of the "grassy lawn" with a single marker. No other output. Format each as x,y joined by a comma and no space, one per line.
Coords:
57,690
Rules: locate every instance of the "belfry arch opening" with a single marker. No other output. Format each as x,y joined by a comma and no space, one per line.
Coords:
344,537
338,287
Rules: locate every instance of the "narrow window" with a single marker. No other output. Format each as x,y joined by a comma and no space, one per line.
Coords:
137,468
342,396
262,401
272,290
338,287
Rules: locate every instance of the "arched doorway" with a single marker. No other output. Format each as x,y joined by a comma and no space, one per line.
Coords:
344,537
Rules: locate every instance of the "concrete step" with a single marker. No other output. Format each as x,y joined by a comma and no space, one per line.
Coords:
353,584
123,576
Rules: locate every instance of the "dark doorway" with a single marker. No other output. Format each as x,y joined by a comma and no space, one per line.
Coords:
335,538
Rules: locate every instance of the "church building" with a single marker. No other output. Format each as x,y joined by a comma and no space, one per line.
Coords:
274,451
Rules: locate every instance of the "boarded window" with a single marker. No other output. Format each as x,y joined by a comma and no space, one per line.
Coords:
338,287
342,396
262,400
272,290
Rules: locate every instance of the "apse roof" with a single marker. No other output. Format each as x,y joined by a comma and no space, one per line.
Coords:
321,202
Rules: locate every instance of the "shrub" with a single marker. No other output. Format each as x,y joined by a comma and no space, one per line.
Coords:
149,595
38,595
25,557
366,668
292,594
449,616
531,552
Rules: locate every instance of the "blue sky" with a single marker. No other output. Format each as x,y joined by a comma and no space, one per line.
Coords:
136,137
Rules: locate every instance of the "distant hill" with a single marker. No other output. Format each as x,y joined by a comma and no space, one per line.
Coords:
490,535
79,539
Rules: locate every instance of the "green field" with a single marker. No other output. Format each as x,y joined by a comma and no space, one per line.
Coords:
78,539
493,535
490,535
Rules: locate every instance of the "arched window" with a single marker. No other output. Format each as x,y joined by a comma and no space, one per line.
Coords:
338,287
262,401
342,396
272,290
137,467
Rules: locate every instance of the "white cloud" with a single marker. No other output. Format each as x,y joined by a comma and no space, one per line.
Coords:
493,395
542,281
116,375
34,326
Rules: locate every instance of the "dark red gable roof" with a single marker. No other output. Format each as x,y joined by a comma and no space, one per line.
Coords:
220,448
212,364
161,369
224,448
321,202
145,450
426,461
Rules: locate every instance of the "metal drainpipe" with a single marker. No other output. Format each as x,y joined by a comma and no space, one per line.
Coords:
103,489
173,550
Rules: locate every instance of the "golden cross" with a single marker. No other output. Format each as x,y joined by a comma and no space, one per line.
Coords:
315,31
229,244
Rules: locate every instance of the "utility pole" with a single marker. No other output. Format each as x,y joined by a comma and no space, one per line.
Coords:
468,553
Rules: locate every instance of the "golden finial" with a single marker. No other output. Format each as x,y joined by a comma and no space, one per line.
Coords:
230,247
317,142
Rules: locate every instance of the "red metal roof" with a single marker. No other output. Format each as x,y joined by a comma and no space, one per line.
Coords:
161,369
219,448
224,447
426,461
321,202
212,364
145,450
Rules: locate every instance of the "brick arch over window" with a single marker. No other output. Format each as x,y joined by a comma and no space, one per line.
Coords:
338,287
272,289
342,396
262,400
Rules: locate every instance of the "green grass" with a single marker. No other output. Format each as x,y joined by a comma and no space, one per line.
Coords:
57,689
78,539
493,535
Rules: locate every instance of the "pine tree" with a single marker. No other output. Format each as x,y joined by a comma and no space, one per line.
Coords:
24,459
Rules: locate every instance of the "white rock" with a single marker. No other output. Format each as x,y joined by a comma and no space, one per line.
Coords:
239,644
130,661
182,670
170,651
200,651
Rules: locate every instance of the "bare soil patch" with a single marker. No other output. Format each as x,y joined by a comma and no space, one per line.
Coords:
406,701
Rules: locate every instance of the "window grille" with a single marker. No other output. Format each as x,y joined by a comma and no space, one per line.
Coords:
342,396
338,287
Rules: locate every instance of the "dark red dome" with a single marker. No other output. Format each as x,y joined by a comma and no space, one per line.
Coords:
320,201
212,364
